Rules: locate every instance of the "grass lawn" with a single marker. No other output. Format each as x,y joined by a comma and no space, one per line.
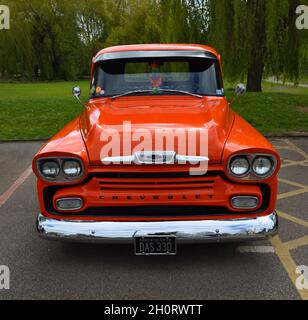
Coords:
278,109
39,110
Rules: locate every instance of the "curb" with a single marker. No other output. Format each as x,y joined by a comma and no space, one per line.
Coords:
287,135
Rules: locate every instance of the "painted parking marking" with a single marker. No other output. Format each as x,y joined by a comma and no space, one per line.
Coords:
283,249
291,193
297,149
296,243
255,249
291,163
17,183
292,183
288,263
282,147
302,189
292,218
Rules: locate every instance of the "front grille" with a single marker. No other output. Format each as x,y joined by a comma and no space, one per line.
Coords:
149,183
152,183
155,175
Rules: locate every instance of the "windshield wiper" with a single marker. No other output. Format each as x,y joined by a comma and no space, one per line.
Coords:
159,90
182,91
130,92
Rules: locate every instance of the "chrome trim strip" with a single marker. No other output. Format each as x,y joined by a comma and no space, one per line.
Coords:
155,54
160,157
185,231
184,158
168,157
118,159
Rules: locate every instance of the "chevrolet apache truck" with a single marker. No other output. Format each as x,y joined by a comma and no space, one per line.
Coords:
158,157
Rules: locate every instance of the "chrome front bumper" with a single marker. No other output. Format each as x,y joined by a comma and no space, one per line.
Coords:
185,231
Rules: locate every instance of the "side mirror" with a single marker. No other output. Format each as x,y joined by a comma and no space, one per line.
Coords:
240,89
76,93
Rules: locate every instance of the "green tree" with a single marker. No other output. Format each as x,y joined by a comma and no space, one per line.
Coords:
56,39
256,38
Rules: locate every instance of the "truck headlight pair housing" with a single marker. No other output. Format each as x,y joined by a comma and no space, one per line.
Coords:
252,166
60,169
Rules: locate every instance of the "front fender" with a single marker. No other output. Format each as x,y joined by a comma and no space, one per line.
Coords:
67,142
243,138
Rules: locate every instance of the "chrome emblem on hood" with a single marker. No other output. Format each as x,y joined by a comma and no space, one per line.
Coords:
154,157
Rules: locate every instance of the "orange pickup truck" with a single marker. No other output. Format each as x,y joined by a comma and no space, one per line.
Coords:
157,158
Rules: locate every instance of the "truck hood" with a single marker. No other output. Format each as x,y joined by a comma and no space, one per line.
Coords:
148,118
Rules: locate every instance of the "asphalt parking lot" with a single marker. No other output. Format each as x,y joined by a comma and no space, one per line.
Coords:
51,270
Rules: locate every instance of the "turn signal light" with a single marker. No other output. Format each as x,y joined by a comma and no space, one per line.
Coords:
69,203
244,202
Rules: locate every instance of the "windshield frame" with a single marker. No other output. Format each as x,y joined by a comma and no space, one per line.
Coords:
136,55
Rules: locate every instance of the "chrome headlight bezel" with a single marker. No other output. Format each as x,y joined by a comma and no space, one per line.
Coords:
56,167
264,174
61,177
242,157
65,169
251,174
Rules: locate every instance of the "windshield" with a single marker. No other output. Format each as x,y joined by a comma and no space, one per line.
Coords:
193,75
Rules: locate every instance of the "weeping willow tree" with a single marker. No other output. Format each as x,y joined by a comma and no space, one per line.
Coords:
55,39
256,37
42,42
17,56
303,52
159,21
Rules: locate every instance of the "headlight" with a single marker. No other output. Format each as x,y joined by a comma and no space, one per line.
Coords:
71,168
239,166
50,169
62,169
252,166
261,166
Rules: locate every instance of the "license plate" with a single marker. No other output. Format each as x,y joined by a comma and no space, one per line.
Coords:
155,245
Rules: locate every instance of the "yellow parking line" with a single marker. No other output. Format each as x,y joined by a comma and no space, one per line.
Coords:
291,193
283,249
296,243
288,264
281,147
302,189
292,183
297,149
294,163
293,219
